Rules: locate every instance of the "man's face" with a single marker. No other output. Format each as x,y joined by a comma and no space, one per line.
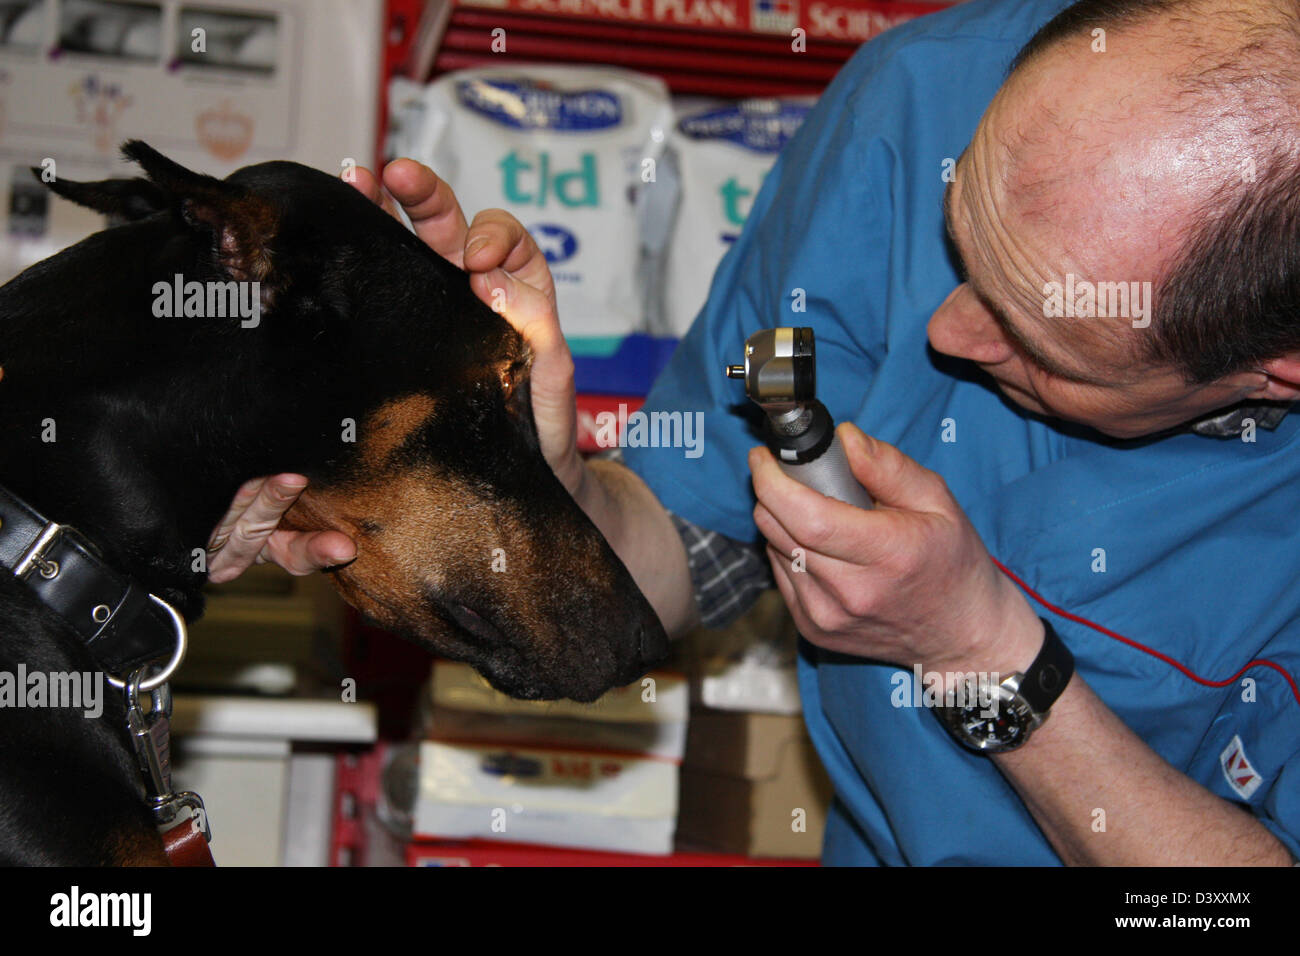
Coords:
1076,169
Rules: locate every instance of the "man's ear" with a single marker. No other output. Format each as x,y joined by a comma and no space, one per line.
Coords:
1283,383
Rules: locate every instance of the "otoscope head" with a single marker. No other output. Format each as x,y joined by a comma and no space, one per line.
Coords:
780,367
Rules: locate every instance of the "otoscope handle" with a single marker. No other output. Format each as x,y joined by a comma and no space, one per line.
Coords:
830,474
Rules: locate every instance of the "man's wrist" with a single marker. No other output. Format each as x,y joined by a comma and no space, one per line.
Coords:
598,495
1024,640
1011,648
572,473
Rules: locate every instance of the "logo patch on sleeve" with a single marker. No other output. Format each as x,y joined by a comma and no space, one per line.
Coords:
1241,776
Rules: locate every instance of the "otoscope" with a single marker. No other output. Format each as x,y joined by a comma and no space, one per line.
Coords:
780,374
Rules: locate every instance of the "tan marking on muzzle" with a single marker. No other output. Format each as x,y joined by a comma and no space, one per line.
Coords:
437,535
426,545
433,531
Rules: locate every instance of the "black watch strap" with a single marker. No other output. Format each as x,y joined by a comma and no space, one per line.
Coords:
1048,675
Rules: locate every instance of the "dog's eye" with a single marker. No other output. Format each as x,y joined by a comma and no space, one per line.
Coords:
519,402
512,377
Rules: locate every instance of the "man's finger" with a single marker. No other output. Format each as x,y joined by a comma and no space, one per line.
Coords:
366,183
818,523
784,545
773,532
892,478
303,552
248,525
781,575
524,306
244,497
803,595
533,314
551,376
432,207
499,240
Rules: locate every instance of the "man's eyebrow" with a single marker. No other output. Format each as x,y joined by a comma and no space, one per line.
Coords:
1040,358
1036,354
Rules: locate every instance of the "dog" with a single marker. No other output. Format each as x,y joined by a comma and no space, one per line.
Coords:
361,359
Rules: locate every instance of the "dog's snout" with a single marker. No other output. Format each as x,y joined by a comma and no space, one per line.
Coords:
646,647
652,642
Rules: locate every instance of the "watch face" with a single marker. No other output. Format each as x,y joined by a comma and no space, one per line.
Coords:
1000,724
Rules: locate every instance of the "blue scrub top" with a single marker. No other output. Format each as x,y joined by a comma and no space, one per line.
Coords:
1201,536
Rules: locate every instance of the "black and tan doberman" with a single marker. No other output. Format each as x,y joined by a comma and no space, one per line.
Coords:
131,410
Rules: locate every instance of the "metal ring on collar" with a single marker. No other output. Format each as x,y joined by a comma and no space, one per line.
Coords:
178,655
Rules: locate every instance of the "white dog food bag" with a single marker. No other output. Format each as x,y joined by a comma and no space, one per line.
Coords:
569,151
722,150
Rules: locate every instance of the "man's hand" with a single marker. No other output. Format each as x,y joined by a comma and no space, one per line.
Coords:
908,582
508,272
247,535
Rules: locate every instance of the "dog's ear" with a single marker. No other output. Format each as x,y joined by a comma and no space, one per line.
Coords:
242,224
128,199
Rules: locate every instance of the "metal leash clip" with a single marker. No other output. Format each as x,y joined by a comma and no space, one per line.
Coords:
151,736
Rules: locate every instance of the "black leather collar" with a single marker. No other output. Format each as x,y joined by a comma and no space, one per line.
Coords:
117,619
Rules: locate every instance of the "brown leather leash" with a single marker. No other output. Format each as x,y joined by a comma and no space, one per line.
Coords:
180,816
187,845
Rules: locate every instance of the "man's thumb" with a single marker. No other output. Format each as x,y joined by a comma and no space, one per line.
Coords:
892,478
497,288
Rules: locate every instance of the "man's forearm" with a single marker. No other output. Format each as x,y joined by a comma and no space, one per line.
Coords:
639,529
1103,797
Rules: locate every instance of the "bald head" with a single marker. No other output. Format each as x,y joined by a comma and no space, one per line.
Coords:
1162,137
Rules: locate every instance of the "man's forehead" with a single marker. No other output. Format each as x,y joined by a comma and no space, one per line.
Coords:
1022,312
1107,195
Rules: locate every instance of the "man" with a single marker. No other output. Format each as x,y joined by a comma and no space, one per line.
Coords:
1133,466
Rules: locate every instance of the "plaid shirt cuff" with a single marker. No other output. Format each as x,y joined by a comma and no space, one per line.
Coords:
728,575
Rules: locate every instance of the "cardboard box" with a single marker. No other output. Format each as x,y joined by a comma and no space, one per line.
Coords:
658,697
645,717
586,799
667,740
263,633
599,776
752,784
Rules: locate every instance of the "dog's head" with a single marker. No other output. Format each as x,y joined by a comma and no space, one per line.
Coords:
348,351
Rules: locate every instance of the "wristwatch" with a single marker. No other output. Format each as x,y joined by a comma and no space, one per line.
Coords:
996,719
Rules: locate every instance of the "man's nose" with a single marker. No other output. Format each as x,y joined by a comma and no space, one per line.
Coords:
964,327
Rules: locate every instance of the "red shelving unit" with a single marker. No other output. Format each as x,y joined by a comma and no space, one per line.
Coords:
731,48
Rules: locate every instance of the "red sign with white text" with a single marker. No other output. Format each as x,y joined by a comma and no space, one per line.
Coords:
845,20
